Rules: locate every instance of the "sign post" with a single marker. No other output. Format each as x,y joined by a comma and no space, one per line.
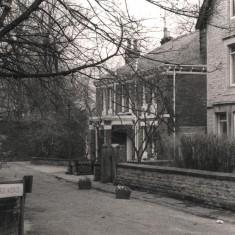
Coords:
11,194
11,190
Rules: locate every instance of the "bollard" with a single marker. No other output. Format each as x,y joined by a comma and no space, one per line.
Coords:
28,183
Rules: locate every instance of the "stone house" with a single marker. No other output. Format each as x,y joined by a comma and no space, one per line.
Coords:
153,95
217,43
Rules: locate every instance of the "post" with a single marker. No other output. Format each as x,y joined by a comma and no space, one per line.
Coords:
21,224
174,130
115,160
69,120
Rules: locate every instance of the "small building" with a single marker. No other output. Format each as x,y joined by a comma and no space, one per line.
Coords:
217,39
152,96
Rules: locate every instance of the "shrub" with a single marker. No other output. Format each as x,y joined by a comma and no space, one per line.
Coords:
84,183
84,180
205,152
169,148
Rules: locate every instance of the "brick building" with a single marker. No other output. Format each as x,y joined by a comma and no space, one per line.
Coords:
217,33
157,94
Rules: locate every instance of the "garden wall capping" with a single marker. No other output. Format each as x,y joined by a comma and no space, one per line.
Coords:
50,161
181,171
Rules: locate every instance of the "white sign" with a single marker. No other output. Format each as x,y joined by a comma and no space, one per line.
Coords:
11,190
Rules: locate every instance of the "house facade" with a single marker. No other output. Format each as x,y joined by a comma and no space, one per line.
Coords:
152,96
217,32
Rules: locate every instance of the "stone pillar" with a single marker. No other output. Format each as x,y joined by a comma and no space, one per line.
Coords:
106,164
97,169
115,160
108,137
129,148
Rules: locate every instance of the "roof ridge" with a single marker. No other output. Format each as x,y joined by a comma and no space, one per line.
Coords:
174,39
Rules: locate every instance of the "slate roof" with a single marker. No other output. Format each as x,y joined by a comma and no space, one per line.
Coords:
184,50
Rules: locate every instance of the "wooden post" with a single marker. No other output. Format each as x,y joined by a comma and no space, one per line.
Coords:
27,188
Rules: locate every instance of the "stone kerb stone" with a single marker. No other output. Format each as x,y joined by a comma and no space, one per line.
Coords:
211,188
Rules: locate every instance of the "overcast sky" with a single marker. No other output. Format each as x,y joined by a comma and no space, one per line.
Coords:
154,17
152,20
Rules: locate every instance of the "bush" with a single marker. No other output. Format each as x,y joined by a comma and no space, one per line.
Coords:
167,151
205,152
84,183
84,180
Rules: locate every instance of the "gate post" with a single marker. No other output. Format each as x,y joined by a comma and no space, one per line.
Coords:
106,166
115,159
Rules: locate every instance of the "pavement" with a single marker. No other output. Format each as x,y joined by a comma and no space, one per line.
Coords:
59,172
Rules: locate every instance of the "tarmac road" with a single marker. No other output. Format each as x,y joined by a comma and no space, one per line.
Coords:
58,208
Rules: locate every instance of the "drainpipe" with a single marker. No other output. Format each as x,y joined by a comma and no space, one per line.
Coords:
96,142
136,113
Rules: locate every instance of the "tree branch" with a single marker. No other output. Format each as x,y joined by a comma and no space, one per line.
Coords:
24,16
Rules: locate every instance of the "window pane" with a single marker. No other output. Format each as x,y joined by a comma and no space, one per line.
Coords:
233,47
222,124
234,125
233,68
233,7
222,116
224,128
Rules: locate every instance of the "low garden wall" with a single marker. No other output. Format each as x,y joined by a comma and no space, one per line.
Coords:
49,161
155,162
211,188
80,167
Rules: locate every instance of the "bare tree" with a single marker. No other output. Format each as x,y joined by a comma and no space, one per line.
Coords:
48,45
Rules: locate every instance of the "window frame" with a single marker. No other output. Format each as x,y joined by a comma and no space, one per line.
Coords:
220,122
233,124
232,65
232,9
104,111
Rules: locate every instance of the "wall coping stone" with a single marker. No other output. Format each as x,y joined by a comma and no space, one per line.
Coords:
52,159
180,171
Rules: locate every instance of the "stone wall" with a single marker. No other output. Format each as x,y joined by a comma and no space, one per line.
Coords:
85,168
49,161
211,188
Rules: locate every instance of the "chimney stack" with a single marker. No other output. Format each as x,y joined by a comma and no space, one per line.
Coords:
128,44
136,50
132,51
166,36
166,32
